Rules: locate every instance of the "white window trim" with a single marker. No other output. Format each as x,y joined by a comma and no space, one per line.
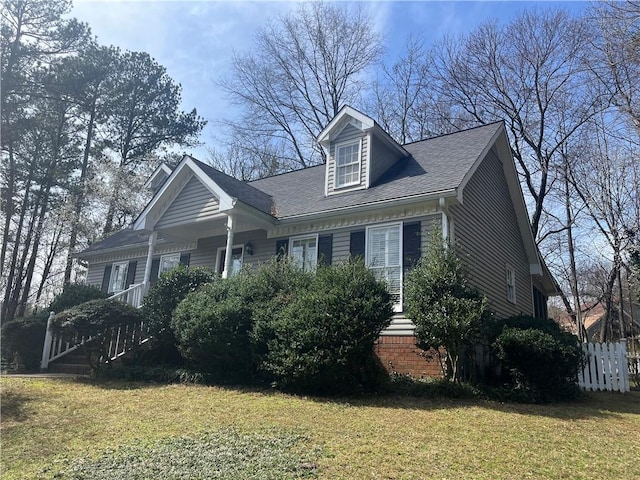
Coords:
111,277
398,306
162,257
304,237
222,249
337,167
510,277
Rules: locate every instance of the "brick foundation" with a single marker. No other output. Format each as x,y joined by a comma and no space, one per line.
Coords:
399,354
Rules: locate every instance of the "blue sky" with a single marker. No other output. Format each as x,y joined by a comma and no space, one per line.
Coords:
195,40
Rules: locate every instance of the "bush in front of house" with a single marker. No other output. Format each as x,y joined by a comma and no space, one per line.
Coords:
212,328
446,311
96,318
322,341
159,304
223,327
541,361
22,342
74,294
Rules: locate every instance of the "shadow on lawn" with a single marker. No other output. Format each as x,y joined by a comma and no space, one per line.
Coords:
13,406
593,405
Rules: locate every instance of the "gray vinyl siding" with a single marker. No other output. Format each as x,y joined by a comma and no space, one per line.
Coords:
487,233
95,271
348,134
193,204
382,158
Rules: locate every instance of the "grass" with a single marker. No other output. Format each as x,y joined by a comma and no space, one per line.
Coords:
61,428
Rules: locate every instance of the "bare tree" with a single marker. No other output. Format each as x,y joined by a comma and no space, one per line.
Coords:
617,62
300,71
531,74
608,182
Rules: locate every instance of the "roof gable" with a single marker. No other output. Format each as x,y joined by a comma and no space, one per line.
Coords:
226,190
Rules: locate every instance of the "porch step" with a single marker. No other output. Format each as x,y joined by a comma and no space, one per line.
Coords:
75,363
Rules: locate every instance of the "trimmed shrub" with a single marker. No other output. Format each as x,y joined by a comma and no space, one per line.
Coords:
269,290
543,363
212,328
22,341
96,318
159,304
491,330
446,311
74,294
322,342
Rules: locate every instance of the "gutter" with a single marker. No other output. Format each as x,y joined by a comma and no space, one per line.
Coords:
370,206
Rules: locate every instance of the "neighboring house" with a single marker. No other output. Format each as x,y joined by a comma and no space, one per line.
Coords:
595,314
373,198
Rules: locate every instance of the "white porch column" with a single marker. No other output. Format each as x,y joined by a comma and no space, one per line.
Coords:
228,254
147,267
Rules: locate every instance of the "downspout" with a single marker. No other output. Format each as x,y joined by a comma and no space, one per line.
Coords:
228,257
445,220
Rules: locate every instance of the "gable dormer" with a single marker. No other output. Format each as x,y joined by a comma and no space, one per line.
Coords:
357,150
157,178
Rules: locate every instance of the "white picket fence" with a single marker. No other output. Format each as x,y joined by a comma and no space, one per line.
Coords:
606,367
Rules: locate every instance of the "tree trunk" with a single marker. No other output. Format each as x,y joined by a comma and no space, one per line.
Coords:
79,197
51,256
572,258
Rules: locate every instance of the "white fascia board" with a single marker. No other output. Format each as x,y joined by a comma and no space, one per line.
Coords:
140,223
226,201
367,122
163,168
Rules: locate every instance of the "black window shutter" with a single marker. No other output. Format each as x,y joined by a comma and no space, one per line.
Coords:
282,248
131,273
105,279
184,259
155,267
223,257
356,244
325,249
410,245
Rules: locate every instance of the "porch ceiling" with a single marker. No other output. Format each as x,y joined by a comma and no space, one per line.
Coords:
194,231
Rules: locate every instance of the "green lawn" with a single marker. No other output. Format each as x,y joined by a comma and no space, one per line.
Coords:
60,428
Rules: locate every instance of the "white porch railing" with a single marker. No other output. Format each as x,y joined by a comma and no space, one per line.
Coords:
131,296
606,367
123,339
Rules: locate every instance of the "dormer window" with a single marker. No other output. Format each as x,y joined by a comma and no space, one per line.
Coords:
348,164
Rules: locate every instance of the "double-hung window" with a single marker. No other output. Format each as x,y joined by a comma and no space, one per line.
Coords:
384,257
304,251
118,280
348,164
168,262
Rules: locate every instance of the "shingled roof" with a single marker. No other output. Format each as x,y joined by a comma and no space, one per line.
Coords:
243,191
437,164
